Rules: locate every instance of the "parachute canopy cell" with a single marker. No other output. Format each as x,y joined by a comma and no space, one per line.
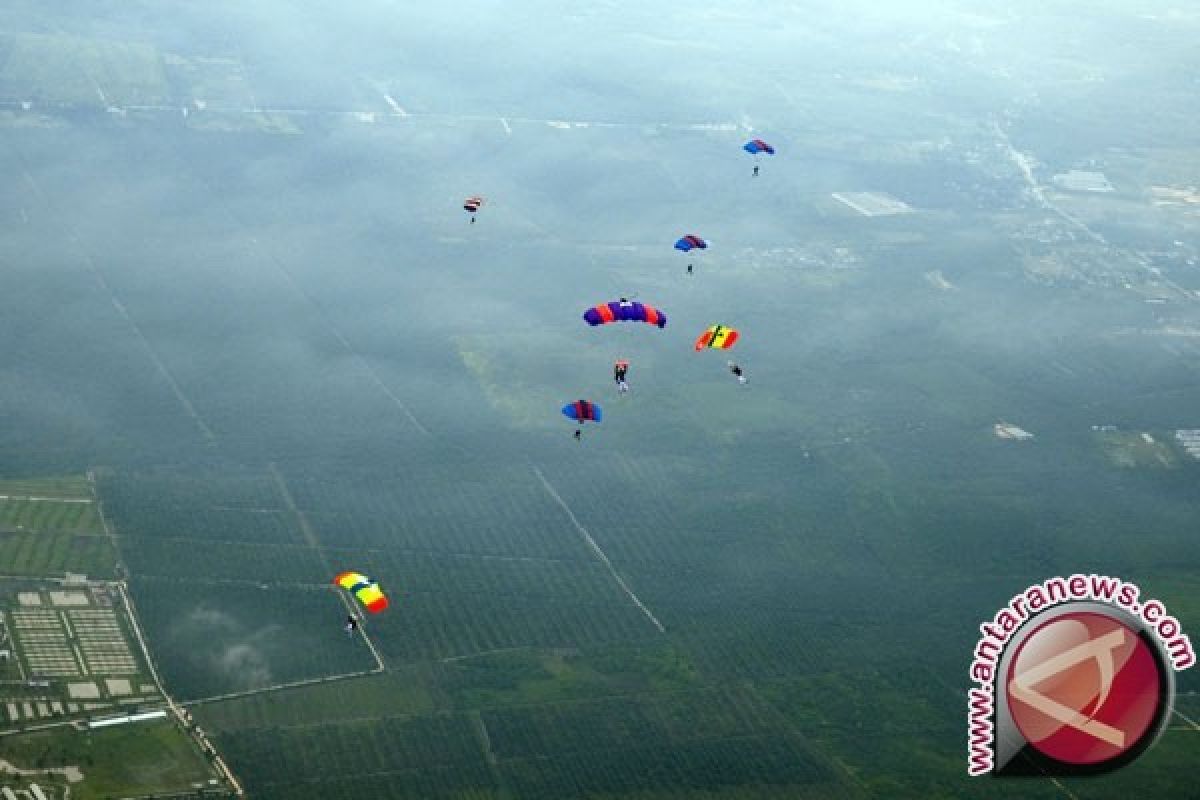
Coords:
624,311
756,146
472,204
690,242
719,337
366,590
582,411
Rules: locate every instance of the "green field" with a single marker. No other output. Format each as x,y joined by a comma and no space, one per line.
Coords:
49,526
137,759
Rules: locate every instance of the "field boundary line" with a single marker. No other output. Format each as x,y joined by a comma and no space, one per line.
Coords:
336,332
479,726
310,536
587,537
396,113
177,709
293,545
279,687
90,263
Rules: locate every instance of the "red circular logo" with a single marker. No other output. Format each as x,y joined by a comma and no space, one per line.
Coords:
1084,688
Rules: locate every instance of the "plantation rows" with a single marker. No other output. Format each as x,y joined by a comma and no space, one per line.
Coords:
540,531
769,646
439,473
205,524
897,699
350,749
752,499
392,693
435,506
55,553
59,377
229,485
707,555
769,583
710,741
442,625
270,564
656,490
584,581
665,719
473,781
214,639
43,515
71,486
753,762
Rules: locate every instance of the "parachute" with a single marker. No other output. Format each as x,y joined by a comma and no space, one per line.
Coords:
581,411
472,204
756,146
366,590
690,242
719,337
624,311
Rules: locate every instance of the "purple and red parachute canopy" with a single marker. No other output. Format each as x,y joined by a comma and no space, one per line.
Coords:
624,311
689,242
756,146
582,411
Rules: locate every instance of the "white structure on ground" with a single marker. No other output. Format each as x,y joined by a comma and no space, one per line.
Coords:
1006,431
1081,181
105,723
1189,440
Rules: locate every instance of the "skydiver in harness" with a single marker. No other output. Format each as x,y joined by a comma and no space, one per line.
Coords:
579,432
351,625
737,371
689,269
620,369
756,170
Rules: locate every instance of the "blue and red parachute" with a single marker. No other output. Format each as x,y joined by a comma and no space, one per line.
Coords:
582,411
624,311
691,242
756,146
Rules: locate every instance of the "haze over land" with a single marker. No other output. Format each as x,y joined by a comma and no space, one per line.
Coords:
237,283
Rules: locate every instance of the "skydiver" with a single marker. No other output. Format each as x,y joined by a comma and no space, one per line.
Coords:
689,269
578,434
737,371
351,625
472,219
756,170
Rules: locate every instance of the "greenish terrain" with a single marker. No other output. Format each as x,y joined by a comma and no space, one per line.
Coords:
129,760
238,288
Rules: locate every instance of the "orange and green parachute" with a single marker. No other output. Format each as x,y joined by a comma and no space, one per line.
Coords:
366,590
718,336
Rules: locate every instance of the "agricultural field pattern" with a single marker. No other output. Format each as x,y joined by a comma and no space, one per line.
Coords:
253,341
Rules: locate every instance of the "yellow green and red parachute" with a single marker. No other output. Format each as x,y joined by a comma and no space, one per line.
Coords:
720,337
366,590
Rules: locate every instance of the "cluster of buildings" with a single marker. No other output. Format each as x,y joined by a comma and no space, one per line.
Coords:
73,644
